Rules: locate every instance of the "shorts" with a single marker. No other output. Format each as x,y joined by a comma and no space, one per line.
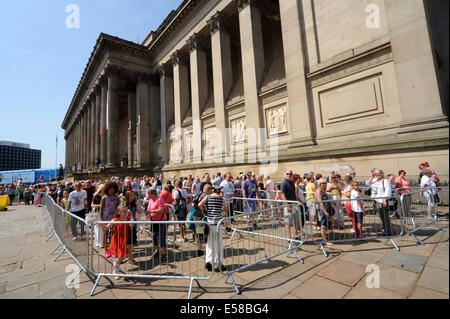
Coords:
132,236
358,217
311,208
324,222
291,217
430,199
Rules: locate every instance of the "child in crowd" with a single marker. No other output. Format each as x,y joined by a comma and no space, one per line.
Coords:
357,208
65,204
278,198
118,247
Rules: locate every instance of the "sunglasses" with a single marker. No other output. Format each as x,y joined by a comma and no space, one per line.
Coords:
288,173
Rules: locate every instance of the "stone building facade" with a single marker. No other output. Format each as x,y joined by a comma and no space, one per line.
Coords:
314,81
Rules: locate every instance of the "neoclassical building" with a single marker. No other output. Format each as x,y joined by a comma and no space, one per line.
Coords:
222,83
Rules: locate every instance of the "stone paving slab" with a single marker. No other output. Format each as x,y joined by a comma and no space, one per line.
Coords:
405,261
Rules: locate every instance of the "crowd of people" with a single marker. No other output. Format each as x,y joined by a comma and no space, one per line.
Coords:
210,198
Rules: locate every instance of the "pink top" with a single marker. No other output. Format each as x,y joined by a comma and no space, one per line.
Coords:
156,204
404,184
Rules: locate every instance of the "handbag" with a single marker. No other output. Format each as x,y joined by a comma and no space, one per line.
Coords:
436,198
392,204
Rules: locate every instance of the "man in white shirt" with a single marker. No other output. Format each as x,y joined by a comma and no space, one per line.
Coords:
429,191
228,192
78,206
181,206
270,188
217,180
381,187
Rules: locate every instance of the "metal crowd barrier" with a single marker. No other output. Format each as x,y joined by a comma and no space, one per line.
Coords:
63,223
378,222
180,261
420,210
246,246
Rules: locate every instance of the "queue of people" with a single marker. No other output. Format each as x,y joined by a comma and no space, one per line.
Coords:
210,198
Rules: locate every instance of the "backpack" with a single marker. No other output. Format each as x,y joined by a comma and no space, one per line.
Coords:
181,206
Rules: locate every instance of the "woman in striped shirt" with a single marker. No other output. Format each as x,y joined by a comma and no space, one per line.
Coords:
213,207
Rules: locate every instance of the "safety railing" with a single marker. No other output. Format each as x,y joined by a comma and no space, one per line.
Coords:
61,223
348,220
148,254
421,209
246,245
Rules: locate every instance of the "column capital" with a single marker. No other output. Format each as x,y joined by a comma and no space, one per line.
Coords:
142,77
242,4
112,70
165,71
218,22
195,42
178,58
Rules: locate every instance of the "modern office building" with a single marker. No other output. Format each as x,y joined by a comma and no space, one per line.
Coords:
18,156
357,82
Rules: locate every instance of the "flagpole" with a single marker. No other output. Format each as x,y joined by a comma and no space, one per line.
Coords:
56,160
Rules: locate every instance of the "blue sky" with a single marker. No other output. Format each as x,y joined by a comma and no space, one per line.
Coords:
41,60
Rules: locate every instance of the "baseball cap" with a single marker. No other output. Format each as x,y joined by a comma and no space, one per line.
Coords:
424,163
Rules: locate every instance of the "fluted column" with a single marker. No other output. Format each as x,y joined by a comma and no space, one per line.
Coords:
222,76
113,117
103,130
84,137
88,131
155,117
199,91
143,127
98,99
253,64
167,109
92,136
295,73
131,87
181,96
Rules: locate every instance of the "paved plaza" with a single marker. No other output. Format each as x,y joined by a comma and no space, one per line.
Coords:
27,270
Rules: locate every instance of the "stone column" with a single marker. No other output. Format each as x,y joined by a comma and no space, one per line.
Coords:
155,118
98,103
181,96
113,117
93,132
294,51
199,91
131,87
253,64
166,87
88,131
78,139
103,130
143,130
83,136
222,76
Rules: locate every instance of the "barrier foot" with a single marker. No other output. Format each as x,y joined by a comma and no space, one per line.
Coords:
235,286
417,239
393,242
95,285
440,228
75,276
190,288
59,245
59,254
323,249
